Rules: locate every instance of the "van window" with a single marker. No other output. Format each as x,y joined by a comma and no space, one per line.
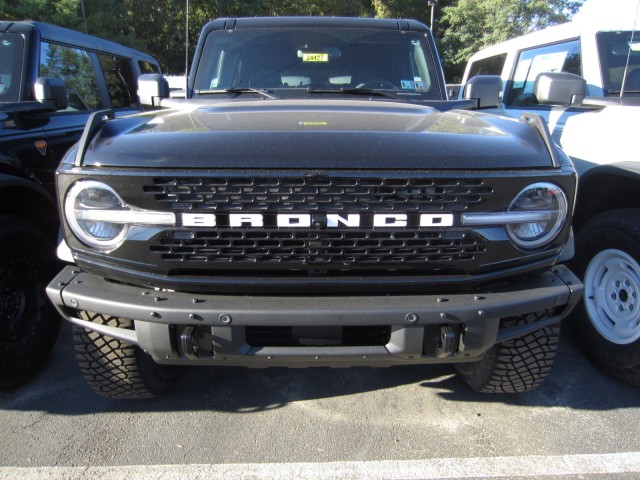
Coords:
75,68
559,57
121,81
146,67
488,66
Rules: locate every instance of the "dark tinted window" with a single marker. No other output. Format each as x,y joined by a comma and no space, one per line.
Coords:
75,68
488,66
317,58
146,67
121,81
559,57
614,49
11,46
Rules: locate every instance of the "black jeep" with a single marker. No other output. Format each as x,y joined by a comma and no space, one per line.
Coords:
51,80
316,200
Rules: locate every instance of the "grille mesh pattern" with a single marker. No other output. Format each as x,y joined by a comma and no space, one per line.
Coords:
298,247
317,193
309,247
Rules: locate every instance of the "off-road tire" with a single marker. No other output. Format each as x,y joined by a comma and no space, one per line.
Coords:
117,369
608,251
28,322
516,365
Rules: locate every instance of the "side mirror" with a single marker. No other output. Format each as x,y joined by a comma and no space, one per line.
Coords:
51,92
560,88
152,88
486,89
453,90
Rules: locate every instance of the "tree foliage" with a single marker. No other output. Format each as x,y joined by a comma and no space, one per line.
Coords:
158,27
474,24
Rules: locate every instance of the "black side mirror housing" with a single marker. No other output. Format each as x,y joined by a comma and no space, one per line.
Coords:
152,88
560,88
51,92
485,89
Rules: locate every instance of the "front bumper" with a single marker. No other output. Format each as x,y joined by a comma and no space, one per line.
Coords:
183,328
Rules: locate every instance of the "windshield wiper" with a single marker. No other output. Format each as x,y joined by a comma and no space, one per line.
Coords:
354,91
237,91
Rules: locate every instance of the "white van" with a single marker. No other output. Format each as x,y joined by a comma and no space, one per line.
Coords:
583,77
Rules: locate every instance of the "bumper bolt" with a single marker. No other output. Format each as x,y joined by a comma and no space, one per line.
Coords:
411,318
224,318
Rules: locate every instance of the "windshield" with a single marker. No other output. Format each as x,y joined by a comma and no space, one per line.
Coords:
615,49
11,46
309,59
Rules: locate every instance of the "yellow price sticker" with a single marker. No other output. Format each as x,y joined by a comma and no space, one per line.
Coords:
315,57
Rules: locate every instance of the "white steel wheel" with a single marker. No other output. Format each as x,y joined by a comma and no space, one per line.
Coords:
607,320
612,295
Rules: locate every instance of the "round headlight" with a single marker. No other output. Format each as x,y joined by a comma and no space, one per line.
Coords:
547,205
83,206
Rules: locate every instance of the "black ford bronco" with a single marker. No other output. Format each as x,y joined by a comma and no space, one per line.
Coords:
315,201
51,80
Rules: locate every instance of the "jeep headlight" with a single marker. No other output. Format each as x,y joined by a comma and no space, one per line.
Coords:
539,213
534,218
101,219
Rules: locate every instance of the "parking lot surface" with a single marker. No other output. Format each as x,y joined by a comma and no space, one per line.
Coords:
399,422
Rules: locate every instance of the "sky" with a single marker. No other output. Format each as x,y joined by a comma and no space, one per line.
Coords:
601,9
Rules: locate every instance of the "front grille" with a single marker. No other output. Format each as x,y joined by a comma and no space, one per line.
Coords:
299,248
340,248
317,193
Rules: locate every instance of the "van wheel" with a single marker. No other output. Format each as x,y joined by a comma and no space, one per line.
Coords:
607,320
117,369
516,365
28,322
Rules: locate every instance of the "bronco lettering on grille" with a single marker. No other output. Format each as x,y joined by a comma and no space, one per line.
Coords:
302,220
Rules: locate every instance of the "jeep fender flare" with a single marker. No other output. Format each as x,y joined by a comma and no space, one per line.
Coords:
34,203
606,187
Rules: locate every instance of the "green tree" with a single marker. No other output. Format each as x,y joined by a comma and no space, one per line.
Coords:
470,25
65,13
461,26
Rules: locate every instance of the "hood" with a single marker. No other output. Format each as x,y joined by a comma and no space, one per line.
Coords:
316,134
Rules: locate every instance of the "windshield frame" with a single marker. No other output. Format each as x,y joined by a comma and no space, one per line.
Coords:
11,80
417,44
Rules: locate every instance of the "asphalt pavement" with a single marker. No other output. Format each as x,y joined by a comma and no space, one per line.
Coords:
398,422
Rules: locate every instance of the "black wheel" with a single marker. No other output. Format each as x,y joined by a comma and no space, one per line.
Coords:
517,365
607,320
116,369
28,322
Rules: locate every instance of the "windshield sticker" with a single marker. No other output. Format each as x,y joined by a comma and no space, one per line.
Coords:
315,57
421,86
417,85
